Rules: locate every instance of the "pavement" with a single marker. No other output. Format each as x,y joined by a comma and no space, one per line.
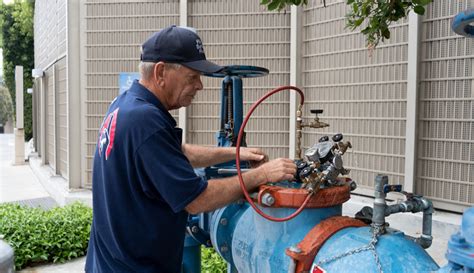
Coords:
19,184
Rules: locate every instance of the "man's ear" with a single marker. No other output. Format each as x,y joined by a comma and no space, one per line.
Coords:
159,73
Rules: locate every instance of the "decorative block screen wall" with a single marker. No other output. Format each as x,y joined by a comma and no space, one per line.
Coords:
114,34
445,167
62,118
363,96
50,31
243,33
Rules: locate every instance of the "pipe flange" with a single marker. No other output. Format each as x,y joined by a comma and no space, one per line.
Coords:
293,198
315,239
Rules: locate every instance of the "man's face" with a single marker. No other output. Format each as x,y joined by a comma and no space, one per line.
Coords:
182,85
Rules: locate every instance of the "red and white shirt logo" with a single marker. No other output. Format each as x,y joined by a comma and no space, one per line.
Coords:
107,134
317,269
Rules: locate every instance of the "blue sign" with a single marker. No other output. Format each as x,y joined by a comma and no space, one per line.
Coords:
126,80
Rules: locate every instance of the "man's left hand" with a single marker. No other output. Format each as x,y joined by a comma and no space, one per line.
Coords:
255,156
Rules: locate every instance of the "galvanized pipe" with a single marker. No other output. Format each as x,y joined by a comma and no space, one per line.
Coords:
426,239
378,217
415,205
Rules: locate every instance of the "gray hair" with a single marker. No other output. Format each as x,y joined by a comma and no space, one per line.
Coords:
146,69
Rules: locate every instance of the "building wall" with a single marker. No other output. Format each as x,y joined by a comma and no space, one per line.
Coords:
114,33
50,26
243,33
362,93
50,115
50,32
62,117
446,117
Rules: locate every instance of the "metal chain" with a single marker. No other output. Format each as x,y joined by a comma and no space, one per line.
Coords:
376,231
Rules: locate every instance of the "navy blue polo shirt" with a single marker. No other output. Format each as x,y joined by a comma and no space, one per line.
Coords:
142,182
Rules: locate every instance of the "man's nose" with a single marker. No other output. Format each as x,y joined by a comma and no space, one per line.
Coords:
199,85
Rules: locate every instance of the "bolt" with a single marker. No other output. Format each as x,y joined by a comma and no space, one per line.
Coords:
268,199
194,229
223,221
295,249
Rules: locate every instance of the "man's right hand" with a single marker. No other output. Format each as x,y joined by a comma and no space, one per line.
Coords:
278,170
220,192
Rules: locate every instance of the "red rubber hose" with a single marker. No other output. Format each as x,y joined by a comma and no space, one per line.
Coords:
237,157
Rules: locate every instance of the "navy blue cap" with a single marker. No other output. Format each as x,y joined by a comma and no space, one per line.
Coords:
178,45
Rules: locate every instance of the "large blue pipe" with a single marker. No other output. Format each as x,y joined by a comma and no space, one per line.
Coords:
250,243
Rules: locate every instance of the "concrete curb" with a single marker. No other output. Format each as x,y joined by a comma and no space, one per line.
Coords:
56,185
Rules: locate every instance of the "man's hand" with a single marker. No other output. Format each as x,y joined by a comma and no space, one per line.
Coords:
255,156
220,192
278,170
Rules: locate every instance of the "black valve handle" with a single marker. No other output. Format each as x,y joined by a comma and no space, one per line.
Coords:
337,137
242,71
323,139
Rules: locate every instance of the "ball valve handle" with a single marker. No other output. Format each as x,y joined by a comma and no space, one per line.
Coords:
392,188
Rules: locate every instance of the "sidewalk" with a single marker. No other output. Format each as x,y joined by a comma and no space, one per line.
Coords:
18,184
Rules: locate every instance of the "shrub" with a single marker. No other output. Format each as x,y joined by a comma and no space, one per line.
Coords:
16,33
61,234
212,262
40,236
6,105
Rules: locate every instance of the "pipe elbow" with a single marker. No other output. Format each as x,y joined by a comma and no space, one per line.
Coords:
427,206
424,241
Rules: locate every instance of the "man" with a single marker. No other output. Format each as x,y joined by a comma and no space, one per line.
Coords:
144,185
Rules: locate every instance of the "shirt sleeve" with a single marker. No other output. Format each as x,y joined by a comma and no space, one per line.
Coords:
163,168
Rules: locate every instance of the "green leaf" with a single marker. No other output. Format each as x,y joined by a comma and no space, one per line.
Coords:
419,10
366,10
274,5
355,7
425,2
358,22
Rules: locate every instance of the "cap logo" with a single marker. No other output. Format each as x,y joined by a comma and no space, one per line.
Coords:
199,46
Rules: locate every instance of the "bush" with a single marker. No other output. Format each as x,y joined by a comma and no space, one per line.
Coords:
6,105
61,234
40,236
16,33
212,262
